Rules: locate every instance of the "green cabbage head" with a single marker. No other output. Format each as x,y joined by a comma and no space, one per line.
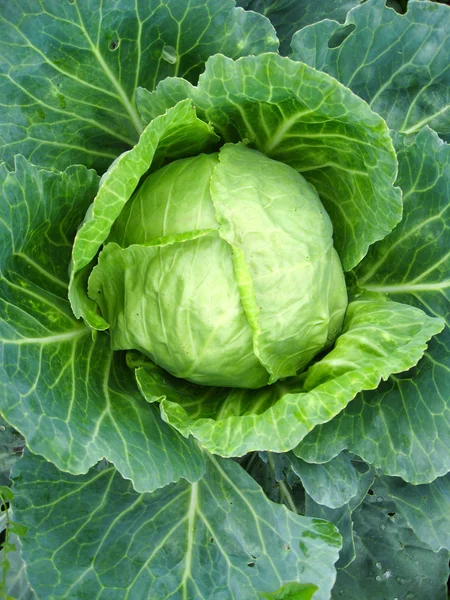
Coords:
222,270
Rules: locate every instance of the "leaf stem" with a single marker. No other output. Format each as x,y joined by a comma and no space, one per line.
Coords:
285,494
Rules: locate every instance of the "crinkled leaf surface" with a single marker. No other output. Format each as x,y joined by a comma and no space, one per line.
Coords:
404,427
67,394
288,16
426,508
302,117
69,69
398,63
391,562
331,484
378,338
342,517
177,133
218,538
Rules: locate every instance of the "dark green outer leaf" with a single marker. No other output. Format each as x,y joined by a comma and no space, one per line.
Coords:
17,584
69,69
93,536
67,394
288,16
426,508
332,484
399,64
404,427
391,562
342,517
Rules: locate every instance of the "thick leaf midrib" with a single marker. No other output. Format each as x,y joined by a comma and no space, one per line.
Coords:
83,82
124,100
418,126
61,144
58,338
193,505
41,295
335,166
389,81
283,128
42,270
65,112
158,547
399,241
245,500
406,288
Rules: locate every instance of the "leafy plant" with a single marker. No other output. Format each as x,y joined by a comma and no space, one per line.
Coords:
224,298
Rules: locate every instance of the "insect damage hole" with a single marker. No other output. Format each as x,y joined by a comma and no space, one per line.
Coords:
114,44
340,35
169,54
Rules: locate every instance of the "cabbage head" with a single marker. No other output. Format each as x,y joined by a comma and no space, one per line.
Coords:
222,270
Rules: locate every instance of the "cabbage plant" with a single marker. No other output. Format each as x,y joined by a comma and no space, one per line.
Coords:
224,293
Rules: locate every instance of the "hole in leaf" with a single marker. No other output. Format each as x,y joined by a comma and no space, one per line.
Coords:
250,564
211,539
340,35
399,6
114,44
391,514
370,492
2,538
169,54
287,546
